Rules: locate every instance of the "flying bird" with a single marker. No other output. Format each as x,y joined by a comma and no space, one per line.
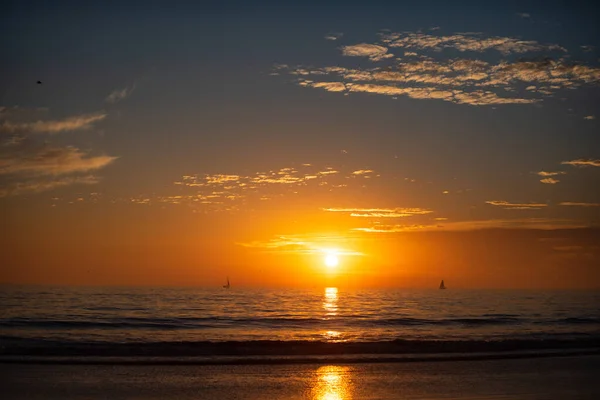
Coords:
39,82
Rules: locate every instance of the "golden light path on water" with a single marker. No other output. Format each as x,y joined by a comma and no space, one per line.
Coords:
330,306
331,383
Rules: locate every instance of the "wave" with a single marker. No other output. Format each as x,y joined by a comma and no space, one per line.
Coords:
15,346
274,322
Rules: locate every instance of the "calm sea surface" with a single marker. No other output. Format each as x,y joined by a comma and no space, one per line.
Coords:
117,315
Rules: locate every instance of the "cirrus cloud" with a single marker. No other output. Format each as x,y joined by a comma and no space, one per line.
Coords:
583,163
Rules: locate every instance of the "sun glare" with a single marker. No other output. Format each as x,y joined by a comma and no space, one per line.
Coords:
331,260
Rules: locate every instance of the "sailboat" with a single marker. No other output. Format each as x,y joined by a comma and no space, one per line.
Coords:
228,285
442,286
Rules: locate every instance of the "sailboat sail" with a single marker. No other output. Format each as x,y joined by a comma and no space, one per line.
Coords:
228,285
442,286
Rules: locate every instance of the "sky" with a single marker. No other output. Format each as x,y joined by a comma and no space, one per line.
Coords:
179,143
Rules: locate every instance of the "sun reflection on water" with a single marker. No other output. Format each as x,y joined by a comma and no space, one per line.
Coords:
330,301
330,306
331,383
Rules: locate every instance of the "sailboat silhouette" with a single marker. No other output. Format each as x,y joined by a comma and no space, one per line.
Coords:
228,285
442,286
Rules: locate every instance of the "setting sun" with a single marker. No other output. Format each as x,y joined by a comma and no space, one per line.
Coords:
331,260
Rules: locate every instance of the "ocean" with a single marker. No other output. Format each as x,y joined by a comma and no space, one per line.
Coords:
70,321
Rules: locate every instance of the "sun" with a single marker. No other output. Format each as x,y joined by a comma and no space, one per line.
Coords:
331,260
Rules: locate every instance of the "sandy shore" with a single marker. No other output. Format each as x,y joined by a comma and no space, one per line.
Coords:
542,378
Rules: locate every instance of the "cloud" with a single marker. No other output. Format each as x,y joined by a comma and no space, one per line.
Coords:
119,94
550,181
529,223
225,192
26,167
372,51
362,172
546,173
574,204
380,212
464,42
334,35
587,48
52,161
37,186
463,80
524,15
305,244
67,124
590,117
583,163
516,206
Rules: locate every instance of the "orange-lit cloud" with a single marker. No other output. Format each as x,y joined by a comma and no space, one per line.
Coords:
24,164
228,191
381,212
67,124
516,206
305,244
583,163
550,181
459,80
529,223
545,173
36,186
52,161
372,51
465,42
575,204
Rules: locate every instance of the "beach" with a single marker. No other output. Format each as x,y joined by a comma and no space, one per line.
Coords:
527,378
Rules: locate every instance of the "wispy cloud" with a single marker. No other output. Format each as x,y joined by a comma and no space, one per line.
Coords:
529,223
381,212
583,163
334,35
524,15
37,186
27,167
590,117
372,51
119,94
52,161
68,124
516,206
305,244
575,204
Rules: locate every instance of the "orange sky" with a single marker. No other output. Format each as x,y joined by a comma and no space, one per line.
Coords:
128,245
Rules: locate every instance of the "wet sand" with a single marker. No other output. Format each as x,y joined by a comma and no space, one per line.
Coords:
535,378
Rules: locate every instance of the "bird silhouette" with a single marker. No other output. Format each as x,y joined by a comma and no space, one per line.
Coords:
39,82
